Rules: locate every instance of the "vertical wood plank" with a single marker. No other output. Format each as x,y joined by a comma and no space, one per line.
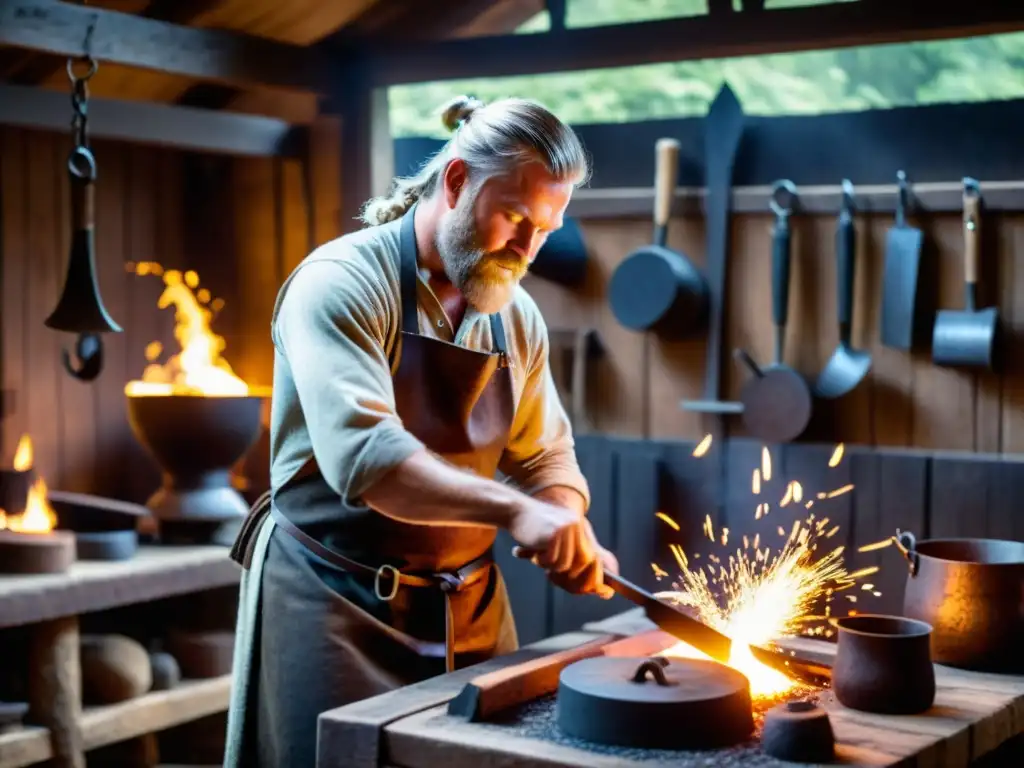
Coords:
42,345
146,323
78,435
115,444
598,460
961,490
259,244
297,216
1005,520
529,591
14,417
891,492
636,506
322,167
1011,233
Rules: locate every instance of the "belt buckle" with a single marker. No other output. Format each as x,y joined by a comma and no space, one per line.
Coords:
449,582
395,576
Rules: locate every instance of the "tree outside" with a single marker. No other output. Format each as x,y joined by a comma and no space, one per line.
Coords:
813,82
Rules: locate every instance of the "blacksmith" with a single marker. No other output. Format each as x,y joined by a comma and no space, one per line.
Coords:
413,416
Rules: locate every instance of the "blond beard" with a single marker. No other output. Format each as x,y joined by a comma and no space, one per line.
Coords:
486,286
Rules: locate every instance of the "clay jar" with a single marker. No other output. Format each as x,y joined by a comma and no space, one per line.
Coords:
883,664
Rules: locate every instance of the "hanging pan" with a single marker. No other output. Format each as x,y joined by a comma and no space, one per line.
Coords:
967,337
563,257
777,399
655,288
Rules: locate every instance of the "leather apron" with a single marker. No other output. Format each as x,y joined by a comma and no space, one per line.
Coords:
373,604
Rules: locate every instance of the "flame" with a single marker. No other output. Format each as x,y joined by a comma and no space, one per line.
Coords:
23,454
38,516
198,369
757,594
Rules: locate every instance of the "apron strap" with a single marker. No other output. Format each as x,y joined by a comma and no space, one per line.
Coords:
449,582
409,280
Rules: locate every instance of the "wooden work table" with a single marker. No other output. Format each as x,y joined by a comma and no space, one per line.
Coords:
974,714
51,603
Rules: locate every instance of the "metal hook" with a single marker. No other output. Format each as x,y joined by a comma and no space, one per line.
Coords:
972,188
92,64
848,196
89,356
82,164
779,208
902,198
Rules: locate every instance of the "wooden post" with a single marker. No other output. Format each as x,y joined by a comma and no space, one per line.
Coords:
55,688
367,152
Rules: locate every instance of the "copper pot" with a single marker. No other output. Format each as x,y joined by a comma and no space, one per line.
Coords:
972,592
883,664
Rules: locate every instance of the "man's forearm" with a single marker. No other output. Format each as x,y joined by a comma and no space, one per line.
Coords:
426,490
563,496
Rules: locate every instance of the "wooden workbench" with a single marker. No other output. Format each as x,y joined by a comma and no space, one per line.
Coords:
51,603
973,715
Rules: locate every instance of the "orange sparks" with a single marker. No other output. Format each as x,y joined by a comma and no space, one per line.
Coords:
756,595
865,572
840,491
667,520
702,447
877,545
837,456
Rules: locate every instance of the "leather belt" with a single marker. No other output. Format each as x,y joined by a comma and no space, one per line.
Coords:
449,582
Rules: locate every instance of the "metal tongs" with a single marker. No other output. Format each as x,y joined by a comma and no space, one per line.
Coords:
715,644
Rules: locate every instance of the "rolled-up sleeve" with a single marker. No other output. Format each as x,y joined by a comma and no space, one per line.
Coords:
541,452
330,327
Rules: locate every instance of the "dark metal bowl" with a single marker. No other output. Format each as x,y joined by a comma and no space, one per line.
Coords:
190,435
196,440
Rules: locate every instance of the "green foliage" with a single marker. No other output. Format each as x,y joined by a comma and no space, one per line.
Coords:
813,82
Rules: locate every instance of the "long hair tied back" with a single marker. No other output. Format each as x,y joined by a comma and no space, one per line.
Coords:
492,138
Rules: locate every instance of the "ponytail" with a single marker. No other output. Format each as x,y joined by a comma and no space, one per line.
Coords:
491,139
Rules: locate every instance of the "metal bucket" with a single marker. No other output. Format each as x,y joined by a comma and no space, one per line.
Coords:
972,592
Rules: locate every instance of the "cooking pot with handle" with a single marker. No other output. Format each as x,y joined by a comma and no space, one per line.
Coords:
972,593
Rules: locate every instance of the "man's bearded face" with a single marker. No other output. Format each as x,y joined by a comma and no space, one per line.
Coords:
486,278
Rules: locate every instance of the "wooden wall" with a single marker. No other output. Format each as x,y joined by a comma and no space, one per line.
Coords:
906,401
240,223
633,479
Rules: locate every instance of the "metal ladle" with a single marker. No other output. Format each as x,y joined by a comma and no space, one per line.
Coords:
847,366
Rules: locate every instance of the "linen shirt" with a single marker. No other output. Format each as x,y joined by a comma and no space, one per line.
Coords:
335,327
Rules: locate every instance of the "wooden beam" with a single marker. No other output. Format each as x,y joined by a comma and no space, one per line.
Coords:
780,30
399,19
145,123
62,29
39,68
927,198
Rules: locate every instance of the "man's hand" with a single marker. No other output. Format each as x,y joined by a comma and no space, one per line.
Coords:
583,571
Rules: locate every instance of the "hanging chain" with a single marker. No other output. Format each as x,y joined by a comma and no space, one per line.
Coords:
81,163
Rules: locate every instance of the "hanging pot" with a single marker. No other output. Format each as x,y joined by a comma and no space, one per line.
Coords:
563,257
972,593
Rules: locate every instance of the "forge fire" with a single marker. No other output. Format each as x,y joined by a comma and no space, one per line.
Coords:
199,368
38,517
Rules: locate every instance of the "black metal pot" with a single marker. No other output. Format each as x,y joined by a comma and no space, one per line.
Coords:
972,592
883,665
